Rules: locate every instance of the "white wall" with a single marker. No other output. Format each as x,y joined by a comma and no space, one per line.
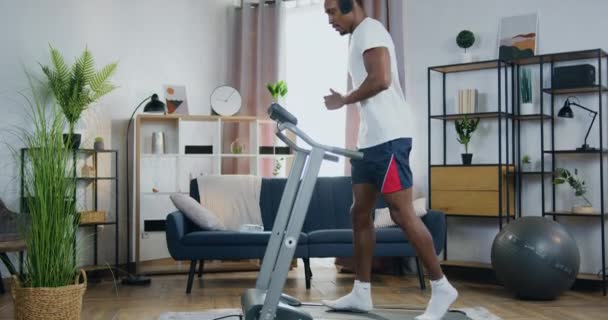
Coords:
431,28
155,43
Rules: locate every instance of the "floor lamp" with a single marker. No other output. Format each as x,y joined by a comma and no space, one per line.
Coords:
154,106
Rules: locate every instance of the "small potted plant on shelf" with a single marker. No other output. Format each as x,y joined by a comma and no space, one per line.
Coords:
525,91
583,204
465,40
98,145
277,89
526,163
465,129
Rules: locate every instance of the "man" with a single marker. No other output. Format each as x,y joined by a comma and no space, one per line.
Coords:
386,145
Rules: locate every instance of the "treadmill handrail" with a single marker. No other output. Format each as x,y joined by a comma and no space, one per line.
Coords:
297,148
340,151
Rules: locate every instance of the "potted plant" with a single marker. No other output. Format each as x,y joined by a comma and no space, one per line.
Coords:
583,204
465,40
526,162
98,145
465,129
277,89
278,164
49,285
75,88
525,90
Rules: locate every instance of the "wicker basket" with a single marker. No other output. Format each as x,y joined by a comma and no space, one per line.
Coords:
92,217
62,303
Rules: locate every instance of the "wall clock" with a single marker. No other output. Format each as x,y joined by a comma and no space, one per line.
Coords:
226,100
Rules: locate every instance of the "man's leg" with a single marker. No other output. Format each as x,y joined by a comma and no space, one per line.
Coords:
359,299
401,206
402,212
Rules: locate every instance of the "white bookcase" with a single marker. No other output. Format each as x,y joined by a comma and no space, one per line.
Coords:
157,176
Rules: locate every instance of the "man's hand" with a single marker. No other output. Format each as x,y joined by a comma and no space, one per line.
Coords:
334,100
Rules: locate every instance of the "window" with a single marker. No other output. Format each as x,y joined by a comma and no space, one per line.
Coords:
316,60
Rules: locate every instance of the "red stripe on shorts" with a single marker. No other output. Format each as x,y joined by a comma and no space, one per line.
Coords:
392,182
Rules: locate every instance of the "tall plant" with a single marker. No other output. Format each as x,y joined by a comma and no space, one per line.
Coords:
78,86
49,224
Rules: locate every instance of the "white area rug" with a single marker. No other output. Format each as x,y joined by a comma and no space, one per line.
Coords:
476,313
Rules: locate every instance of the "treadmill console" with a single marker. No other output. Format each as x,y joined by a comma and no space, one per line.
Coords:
280,114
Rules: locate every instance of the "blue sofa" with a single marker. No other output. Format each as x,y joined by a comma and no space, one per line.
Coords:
327,230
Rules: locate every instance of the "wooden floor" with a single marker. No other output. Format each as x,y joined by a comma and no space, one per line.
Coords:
104,300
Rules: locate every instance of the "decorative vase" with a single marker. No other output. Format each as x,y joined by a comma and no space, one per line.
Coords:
158,142
582,209
60,303
98,145
466,158
236,147
527,108
467,57
581,206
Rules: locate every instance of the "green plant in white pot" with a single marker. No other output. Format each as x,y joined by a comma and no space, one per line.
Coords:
465,39
583,204
277,89
75,88
49,286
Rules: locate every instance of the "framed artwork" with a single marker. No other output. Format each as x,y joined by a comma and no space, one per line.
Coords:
175,98
518,37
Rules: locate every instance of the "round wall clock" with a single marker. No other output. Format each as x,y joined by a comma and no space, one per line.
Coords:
226,100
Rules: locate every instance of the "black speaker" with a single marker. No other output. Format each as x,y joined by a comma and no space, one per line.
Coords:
346,6
575,76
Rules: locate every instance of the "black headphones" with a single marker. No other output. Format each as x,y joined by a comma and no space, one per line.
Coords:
346,6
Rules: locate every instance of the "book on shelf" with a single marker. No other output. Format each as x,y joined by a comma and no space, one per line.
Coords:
467,101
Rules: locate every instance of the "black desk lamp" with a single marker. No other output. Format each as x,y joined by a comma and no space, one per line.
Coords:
566,112
154,106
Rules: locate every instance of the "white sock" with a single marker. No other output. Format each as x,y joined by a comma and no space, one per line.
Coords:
442,296
358,300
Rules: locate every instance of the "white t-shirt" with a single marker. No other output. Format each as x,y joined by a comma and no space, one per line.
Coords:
382,116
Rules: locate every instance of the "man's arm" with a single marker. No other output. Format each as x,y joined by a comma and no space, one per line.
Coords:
378,66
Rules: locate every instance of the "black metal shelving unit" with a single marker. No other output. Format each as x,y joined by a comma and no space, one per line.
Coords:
597,55
502,113
515,136
95,183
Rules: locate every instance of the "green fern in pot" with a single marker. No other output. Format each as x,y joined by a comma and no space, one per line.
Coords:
75,88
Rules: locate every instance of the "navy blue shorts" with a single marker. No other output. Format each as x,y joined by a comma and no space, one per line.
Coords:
387,166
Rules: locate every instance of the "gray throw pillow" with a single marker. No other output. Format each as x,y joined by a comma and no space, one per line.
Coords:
198,214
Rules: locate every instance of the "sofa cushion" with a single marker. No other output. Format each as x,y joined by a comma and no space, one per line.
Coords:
201,216
385,235
228,238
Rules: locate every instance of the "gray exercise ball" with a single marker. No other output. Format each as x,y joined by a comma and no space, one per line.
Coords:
535,258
